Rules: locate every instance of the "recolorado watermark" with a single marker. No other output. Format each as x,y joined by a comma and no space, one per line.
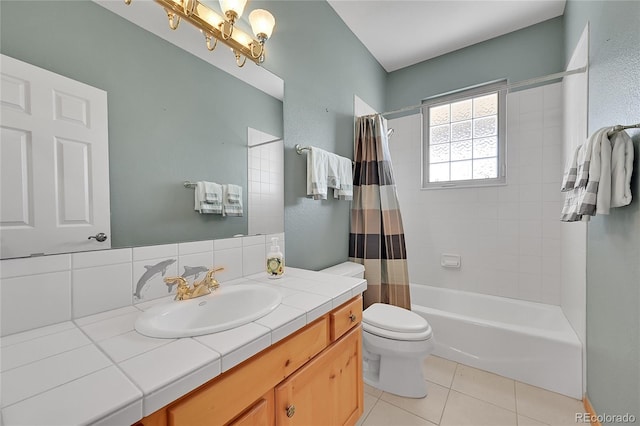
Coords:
605,418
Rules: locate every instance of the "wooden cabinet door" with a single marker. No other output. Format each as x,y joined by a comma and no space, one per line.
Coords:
224,398
326,391
260,413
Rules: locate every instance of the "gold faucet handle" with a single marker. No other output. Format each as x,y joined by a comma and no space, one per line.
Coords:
180,281
182,291
210,279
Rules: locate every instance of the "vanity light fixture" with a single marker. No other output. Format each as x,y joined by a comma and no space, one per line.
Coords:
222,28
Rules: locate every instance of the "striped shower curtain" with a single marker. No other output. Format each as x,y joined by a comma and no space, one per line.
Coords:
376,239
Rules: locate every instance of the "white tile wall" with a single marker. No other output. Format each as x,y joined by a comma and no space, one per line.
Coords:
254,254
507,235
82,285
228,255
21,311
101,288
266,188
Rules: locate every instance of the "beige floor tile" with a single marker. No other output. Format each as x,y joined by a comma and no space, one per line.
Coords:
369,402
546,406
370,390
429,408
385,414
486,386
464,410
439,370
526,421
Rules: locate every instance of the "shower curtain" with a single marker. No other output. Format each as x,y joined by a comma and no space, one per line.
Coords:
376,239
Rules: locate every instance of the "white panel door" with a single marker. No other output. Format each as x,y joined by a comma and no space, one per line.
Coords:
54,162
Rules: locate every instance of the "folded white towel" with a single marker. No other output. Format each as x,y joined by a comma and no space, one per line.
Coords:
232,204
213,192
621,169
603,197
333,171
201,205
317,171
345,191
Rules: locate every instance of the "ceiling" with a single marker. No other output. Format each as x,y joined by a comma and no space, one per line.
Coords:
399,33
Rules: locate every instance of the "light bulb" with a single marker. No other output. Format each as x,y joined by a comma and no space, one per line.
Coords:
262,23
234,6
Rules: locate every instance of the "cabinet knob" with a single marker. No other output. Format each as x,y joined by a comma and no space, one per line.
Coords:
291,410
352,317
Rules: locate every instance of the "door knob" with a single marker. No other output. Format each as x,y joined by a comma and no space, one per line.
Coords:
100,237
352,317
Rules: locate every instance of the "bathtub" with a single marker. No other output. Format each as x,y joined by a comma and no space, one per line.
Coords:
526,341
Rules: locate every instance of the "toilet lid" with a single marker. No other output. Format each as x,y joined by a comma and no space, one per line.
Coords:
381,318
396,335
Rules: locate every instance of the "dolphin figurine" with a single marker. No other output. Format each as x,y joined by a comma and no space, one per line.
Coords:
152,271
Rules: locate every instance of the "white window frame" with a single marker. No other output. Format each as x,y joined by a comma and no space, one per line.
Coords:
499,87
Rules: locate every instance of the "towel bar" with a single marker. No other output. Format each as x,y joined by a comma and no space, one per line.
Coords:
620,128
299,148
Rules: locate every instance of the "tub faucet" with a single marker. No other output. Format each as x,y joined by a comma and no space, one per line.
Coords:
200,288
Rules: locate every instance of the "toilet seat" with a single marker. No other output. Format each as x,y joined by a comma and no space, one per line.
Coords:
395,323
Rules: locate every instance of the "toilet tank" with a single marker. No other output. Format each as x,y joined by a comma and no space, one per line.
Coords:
347,269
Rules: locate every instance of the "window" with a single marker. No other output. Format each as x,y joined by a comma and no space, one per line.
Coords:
464,138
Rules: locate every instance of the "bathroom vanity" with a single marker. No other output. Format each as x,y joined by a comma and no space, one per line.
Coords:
300,364
311,377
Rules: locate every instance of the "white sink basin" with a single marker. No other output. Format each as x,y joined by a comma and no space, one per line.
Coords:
227,307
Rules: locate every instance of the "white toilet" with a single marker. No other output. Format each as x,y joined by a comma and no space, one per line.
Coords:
395,343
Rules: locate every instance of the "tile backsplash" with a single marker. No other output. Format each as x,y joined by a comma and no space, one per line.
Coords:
41,291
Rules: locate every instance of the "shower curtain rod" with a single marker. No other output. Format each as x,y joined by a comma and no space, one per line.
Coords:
522,83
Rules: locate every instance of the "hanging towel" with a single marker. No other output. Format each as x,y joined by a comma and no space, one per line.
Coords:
213,193
571,171
317,170
602,153
572,193
232,205
333,171
201,204
621,169
591,193
345,191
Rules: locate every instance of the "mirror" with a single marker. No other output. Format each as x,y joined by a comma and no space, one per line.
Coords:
172,116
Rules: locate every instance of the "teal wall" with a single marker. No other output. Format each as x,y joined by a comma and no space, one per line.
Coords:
172,116
530,52
613,241
323,66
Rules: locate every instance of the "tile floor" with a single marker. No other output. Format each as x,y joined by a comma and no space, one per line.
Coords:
460,395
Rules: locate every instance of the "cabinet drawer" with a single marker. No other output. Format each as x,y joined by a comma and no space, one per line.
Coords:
345,317
234,391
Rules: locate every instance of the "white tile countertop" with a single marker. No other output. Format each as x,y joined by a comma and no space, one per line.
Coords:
99,370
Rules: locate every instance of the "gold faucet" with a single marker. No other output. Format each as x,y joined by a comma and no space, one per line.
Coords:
200,288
